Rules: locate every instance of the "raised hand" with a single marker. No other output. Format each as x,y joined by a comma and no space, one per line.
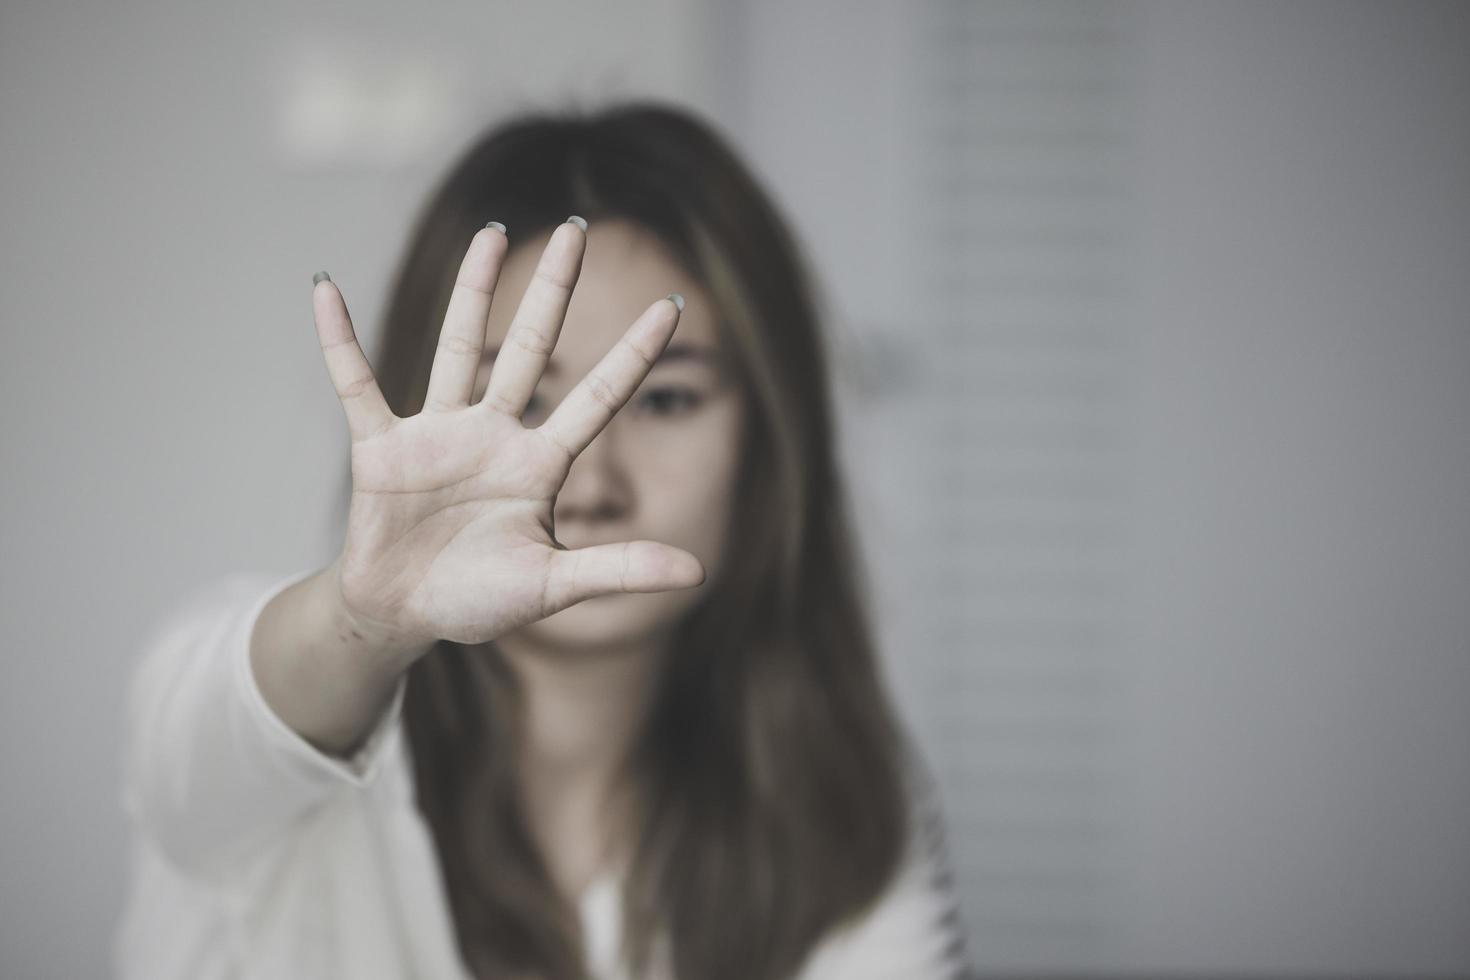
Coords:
449,532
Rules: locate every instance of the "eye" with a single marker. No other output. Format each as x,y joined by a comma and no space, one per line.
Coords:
669,400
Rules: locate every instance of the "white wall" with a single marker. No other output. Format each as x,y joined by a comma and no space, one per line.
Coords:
1304,496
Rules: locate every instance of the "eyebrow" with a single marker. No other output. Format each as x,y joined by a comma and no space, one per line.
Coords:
672,354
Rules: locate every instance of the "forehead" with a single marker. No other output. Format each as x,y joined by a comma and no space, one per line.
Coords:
624,270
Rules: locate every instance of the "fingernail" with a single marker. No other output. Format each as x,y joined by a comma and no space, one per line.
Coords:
497,226
320,277
678,301
579,221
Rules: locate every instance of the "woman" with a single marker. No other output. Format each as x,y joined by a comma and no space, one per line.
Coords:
589,691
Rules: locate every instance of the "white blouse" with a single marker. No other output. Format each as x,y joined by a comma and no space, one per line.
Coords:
256,855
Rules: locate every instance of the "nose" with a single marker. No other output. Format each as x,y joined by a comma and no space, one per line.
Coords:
597,486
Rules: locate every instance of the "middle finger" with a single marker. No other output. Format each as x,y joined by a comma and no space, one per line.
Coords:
537,322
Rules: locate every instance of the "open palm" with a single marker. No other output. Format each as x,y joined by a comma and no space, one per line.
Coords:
449,532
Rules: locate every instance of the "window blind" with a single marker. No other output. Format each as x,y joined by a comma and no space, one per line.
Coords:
1011,625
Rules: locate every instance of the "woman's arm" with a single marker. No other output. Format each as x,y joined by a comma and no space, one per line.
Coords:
323,673
449,536
211,770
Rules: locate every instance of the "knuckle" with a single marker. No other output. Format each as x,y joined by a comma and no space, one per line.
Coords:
552,438
643,356
498,401
602,392
383,427
558,279
531,342
357,387
469,286
455,344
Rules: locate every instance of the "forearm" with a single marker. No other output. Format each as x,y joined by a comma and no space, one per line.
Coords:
327,678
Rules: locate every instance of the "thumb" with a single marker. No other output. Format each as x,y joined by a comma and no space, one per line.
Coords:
631,566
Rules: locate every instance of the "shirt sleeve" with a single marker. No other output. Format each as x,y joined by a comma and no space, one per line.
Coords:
210,771
915,931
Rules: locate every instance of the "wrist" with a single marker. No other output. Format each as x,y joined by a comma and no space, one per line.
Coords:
364,636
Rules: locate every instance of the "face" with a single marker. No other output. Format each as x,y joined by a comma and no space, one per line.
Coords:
664,468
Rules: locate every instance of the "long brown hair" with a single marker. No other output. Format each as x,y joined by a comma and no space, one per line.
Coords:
770,771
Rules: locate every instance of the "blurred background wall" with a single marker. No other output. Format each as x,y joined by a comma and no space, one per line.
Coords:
1153,336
